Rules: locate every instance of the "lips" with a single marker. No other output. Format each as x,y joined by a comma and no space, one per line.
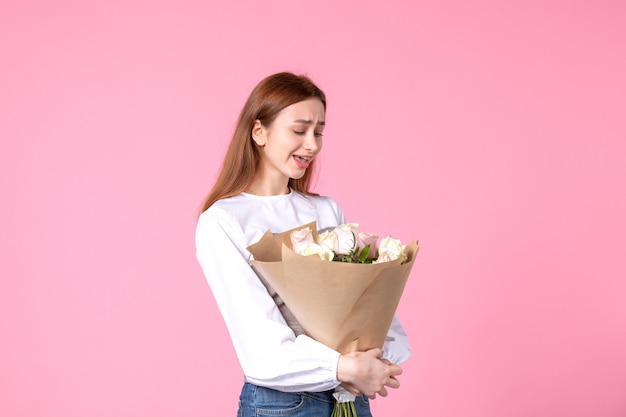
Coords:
302,161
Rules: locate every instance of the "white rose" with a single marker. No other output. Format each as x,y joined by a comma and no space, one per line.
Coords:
346,238
327,239
314,249
390,249
300,239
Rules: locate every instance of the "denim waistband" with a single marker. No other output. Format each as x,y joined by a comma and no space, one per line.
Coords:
320,395
256,400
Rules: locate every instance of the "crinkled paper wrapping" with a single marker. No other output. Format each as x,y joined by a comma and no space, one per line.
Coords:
346,306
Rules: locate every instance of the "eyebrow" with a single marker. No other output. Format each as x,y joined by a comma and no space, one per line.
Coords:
309,122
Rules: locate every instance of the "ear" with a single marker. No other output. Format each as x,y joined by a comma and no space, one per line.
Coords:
259,133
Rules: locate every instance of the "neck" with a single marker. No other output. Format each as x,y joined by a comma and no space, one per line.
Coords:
264,188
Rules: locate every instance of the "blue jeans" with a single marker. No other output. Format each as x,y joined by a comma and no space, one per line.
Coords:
256,401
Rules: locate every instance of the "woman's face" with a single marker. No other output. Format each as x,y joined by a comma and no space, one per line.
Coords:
291,142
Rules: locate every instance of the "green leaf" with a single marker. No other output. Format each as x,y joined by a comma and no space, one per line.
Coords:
364,253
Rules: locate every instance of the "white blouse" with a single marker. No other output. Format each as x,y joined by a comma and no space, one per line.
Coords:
269,352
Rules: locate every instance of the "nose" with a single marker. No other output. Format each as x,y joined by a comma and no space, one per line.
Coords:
312,143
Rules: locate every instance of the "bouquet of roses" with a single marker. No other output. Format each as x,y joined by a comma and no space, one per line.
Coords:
345,243
341,285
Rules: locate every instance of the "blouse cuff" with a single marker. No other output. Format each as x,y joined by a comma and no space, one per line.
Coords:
328,358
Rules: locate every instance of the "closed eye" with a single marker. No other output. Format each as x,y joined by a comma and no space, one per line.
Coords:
303,132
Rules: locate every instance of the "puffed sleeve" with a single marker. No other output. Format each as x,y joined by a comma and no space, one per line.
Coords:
269,353
396,348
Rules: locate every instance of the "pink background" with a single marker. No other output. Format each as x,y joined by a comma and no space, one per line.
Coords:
491,131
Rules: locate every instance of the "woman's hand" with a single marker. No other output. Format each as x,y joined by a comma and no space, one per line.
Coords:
366,373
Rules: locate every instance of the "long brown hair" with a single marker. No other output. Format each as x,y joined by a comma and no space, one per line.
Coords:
242,159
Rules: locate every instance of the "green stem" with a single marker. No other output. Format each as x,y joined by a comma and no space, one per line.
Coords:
347,409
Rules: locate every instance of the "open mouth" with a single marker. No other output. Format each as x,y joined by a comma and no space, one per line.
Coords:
301,161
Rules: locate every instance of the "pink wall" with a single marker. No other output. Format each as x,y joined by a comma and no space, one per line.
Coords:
494,132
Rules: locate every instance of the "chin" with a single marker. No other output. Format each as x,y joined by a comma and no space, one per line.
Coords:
296,177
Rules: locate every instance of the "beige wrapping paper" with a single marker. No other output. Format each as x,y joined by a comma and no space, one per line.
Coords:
346,306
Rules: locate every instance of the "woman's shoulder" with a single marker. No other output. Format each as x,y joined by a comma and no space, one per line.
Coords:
236,211
220,211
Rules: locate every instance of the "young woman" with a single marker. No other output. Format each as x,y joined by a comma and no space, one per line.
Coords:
264,184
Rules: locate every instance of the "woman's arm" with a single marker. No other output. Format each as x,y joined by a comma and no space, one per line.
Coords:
267,348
